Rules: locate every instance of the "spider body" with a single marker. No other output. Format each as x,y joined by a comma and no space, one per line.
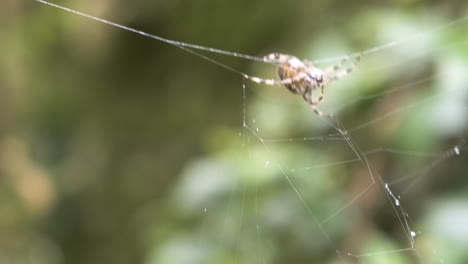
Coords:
291,67
303,78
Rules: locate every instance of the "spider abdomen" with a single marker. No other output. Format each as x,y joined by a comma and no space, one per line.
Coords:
303,78
290,69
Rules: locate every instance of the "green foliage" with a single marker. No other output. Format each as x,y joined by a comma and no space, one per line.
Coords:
116,148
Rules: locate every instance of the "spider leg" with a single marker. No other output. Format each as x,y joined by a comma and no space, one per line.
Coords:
287,81
337,66
320,113
313,104
346,71
310,100
320,99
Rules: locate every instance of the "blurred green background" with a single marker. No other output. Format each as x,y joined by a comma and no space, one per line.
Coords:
115,148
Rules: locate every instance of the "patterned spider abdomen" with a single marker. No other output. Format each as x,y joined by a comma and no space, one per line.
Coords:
293,67
303,78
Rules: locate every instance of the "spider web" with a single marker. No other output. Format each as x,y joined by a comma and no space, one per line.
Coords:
325,171
313,167
427,160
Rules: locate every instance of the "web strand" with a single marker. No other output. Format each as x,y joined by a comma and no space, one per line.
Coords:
182,45
188,46
341,135
393,43
169,41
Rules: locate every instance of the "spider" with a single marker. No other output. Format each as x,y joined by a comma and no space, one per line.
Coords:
303,78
